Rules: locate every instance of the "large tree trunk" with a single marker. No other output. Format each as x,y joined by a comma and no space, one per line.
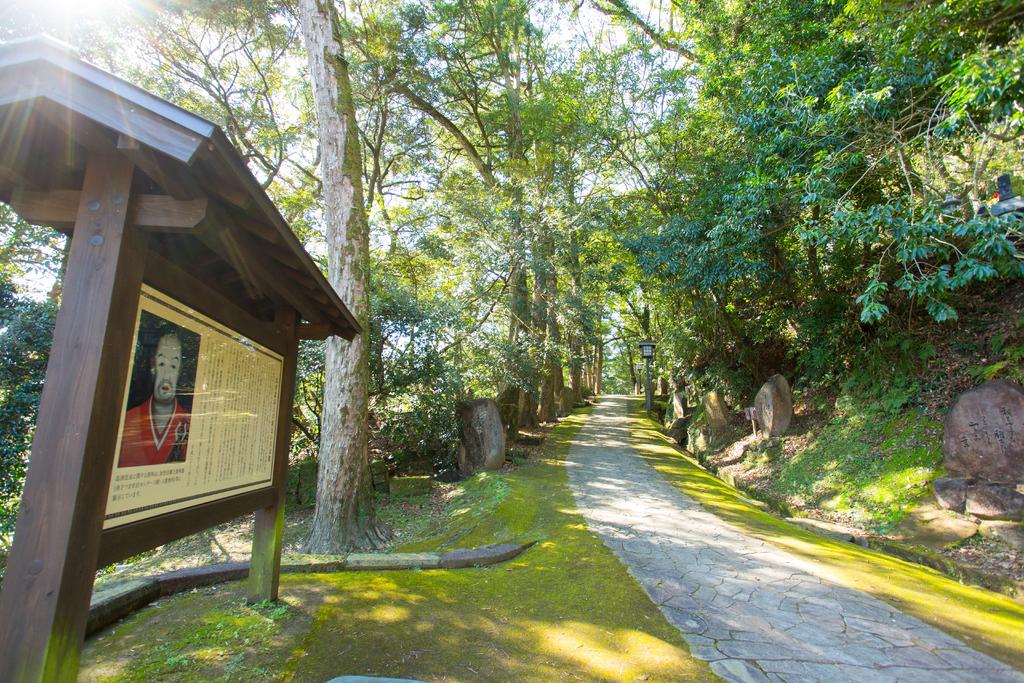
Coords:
632,370
344,516
576,370
553,381
510,398
575,350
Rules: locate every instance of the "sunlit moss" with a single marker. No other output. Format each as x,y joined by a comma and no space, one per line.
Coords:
871,466
985,620
565,610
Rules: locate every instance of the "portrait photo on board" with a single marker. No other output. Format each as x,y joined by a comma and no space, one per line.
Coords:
156,424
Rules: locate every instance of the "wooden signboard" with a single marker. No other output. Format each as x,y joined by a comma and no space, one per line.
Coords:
199,415
167,401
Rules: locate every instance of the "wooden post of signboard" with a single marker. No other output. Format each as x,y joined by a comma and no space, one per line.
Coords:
53,562
268,529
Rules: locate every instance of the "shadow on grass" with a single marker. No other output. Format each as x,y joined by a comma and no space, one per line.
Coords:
564,610
987,621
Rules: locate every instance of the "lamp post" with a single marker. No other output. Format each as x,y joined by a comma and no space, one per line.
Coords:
647,352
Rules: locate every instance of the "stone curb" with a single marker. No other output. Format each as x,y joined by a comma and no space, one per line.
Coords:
120,599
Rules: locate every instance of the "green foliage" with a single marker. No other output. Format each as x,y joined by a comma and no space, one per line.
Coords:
26,328
798,194
1008,353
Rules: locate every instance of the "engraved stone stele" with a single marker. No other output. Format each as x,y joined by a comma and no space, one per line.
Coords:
774,403
984,434
482,436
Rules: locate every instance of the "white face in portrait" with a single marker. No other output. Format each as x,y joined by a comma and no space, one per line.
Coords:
166,368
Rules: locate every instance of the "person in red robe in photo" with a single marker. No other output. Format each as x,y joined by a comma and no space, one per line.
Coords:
156,430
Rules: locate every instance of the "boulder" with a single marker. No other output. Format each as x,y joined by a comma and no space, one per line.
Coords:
508,404
984,434
951,492
934,528
774,403
995,501
715,411
1010,533
679,404
675,409
678,431
482,436
709,425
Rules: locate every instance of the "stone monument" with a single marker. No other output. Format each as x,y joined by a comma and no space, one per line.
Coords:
708,426
983,451
482,439
774,403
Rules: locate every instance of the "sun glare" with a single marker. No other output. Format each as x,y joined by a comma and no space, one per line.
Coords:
63,19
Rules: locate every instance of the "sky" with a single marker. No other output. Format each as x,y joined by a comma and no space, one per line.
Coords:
88,25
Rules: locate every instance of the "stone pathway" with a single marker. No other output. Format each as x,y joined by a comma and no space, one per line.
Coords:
752,610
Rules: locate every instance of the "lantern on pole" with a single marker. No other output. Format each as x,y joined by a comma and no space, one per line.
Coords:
647,353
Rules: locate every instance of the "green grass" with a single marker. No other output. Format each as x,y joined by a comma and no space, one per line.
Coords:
985,620
564,610
415,518
863,463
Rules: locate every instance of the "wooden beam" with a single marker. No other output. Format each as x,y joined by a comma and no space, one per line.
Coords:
317,331
188,289
160,169
252,264
124,541
268,529
154,212
45,602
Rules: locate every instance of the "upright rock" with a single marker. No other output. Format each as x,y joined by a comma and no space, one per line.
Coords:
676,409
482,436
774,403
708,426
715,411
678,431
983,450
984,434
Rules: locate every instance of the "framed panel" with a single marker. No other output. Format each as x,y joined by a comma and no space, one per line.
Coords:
199,417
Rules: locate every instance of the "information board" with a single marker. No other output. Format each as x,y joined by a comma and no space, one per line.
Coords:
199,417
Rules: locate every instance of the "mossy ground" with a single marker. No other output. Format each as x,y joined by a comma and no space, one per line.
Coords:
564,610
872,467
985,620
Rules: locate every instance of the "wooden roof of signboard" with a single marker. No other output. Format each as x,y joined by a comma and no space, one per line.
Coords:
207,212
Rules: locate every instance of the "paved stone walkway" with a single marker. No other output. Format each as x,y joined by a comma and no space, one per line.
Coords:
752,610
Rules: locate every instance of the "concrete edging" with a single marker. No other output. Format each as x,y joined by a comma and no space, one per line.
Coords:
114,602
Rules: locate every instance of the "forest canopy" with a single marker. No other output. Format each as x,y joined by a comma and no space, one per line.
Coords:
759,186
